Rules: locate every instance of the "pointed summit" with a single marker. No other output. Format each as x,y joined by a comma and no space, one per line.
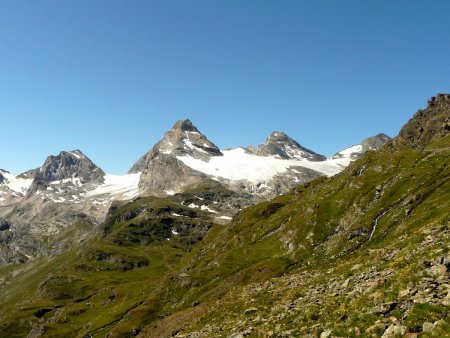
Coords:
186,139
280,145
183,139
69,164
184,125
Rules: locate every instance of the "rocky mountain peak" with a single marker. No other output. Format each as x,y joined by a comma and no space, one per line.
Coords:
430,123
185,139
440,100
281,145
67,165
375,142
184,125
370,143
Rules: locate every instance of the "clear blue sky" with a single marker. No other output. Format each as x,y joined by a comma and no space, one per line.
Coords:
110,77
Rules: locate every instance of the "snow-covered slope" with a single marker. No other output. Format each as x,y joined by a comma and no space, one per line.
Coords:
14,184
238,164
185,156
67,184
115,186
12,190
350,152
370,143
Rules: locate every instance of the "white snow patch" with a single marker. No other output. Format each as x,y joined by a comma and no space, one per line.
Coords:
124,185
170,192
225,217
349,151
58,200
74,180
17,184
175,232
75,154
175,214
204,207
192,205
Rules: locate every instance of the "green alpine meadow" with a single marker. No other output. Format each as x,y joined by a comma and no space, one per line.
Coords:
361,253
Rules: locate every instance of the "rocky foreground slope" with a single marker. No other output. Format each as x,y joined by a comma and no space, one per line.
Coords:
363,253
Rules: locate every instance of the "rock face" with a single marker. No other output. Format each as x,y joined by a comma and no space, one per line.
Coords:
429,123
370,143
166,174
162,172
183,139
186,139
69,184
41,203
4,225
280,145
375,142
68,165
59,188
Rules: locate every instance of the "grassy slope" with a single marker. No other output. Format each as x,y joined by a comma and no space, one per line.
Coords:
94,285
320,227
129,279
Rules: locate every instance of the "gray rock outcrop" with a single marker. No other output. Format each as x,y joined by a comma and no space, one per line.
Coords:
183,139
69,164
281,145
370,143
427,124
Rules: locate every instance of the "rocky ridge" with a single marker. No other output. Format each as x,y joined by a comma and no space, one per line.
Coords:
185,156
427,124
369,144
280,145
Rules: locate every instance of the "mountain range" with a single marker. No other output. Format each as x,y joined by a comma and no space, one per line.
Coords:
267,241
70,187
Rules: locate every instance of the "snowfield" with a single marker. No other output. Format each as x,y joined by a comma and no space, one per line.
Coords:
19,185
125,185
237,164
351,150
